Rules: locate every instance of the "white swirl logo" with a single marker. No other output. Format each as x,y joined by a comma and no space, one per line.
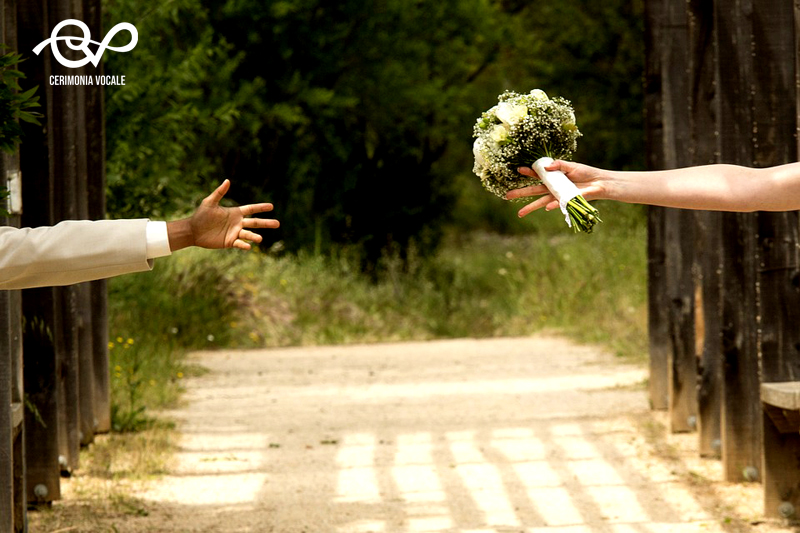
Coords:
82,43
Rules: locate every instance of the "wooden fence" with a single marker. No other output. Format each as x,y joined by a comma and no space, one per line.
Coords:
58,353
722,87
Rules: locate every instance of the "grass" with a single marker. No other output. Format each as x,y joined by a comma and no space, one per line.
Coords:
591,288
98,497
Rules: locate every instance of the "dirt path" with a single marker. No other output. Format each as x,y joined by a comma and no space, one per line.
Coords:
475,436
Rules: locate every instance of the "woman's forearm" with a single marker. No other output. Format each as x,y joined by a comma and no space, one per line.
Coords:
711,187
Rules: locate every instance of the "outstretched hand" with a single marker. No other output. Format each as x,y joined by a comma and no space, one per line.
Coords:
587,179
213,226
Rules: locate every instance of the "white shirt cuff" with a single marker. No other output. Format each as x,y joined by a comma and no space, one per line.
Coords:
157,239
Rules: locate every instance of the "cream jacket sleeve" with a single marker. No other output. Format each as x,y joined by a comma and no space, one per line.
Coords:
72,252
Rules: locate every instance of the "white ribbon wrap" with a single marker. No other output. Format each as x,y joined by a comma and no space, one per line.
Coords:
558,184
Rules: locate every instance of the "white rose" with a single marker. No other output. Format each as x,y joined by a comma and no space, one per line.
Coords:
499,134
509,114
569,122
478,153
539,94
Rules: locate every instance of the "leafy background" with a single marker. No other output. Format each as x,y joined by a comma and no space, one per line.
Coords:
355,117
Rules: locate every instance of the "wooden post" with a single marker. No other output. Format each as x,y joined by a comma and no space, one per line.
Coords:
707,225
774,135
708,322
679,224
13,504
741,412
6,425
96,192
64,166
39,305
658,320
83,309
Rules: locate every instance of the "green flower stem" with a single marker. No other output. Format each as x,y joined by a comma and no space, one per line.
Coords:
582,214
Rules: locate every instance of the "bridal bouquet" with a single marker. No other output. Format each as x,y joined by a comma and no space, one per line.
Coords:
530,130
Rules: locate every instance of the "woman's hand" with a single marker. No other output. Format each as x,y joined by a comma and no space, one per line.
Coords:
588,179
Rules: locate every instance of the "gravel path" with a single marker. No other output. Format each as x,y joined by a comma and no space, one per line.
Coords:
533,435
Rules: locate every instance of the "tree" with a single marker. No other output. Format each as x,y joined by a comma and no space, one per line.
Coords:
353,117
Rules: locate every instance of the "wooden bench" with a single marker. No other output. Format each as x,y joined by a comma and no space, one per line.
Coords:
781,406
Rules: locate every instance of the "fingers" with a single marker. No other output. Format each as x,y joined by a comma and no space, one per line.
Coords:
215,197
556,165
531,190
252,209
261,223
246,235
537,204
240,244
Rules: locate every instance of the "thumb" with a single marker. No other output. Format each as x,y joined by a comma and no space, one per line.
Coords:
215,197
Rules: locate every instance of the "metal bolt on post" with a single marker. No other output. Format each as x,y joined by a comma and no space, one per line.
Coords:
786,510
750,473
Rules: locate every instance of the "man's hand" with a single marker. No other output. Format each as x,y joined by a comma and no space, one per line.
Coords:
214,226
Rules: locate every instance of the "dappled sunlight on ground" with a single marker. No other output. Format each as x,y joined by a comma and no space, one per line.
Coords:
531,435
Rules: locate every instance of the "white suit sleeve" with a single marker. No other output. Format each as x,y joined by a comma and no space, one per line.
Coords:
157,239
72,252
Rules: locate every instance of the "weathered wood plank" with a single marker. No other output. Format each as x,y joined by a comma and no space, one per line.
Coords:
657,305
774,128
6,441
785,395
680,286
64,154
83,307
709,331
679,224
782,476
39,305
741,413
96,191
708,225
11,341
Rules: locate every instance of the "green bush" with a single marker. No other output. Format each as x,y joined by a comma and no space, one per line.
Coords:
481,284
